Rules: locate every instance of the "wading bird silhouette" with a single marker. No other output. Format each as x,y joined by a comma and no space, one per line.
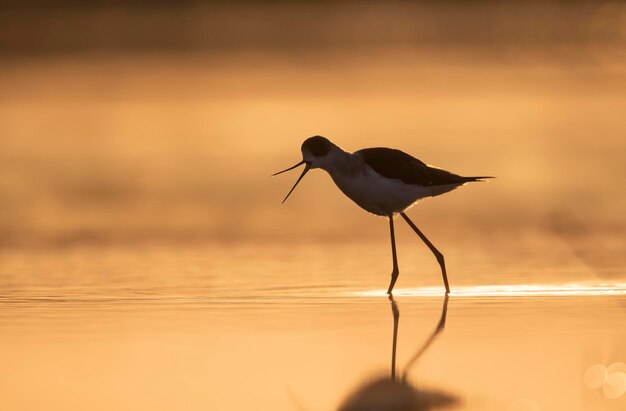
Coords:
383,181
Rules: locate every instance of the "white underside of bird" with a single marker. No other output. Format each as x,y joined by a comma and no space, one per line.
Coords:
377,194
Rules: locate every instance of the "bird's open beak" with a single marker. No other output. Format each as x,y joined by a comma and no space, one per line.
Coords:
306,169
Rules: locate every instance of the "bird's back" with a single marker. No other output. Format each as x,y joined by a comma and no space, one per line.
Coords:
398,165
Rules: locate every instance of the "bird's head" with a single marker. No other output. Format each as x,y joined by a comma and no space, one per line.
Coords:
317,152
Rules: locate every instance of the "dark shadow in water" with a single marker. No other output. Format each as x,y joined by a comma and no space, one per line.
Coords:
397,394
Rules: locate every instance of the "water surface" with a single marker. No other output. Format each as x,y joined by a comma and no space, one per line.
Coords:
228,327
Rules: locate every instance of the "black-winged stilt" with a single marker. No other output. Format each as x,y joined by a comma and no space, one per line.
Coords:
383,181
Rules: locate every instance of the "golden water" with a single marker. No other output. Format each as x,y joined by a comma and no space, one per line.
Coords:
282,327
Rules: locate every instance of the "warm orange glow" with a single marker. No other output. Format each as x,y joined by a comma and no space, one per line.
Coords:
146,262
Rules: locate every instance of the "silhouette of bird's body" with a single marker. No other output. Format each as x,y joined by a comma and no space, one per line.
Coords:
382,181
386,181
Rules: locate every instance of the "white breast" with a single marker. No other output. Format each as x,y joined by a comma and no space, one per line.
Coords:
377,194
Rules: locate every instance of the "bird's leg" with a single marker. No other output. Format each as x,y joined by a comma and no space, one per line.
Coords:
395,272
430,245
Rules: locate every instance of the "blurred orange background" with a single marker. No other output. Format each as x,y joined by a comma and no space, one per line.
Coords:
161,122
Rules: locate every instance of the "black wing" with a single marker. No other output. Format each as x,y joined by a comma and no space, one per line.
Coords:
398,165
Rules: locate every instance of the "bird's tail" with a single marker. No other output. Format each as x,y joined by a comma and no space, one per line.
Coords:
481,178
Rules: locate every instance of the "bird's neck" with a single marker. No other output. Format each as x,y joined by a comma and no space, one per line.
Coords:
341,163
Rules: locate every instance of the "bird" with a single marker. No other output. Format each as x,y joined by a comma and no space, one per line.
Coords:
383,181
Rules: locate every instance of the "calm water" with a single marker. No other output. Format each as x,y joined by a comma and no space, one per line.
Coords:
289,327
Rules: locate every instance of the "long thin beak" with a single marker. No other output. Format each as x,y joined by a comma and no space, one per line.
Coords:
306,169
290,168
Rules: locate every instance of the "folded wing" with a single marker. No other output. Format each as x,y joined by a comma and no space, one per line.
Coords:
398,165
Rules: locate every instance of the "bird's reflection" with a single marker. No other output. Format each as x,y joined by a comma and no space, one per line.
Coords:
395,393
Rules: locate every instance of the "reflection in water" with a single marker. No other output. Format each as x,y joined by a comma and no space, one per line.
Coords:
393,393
